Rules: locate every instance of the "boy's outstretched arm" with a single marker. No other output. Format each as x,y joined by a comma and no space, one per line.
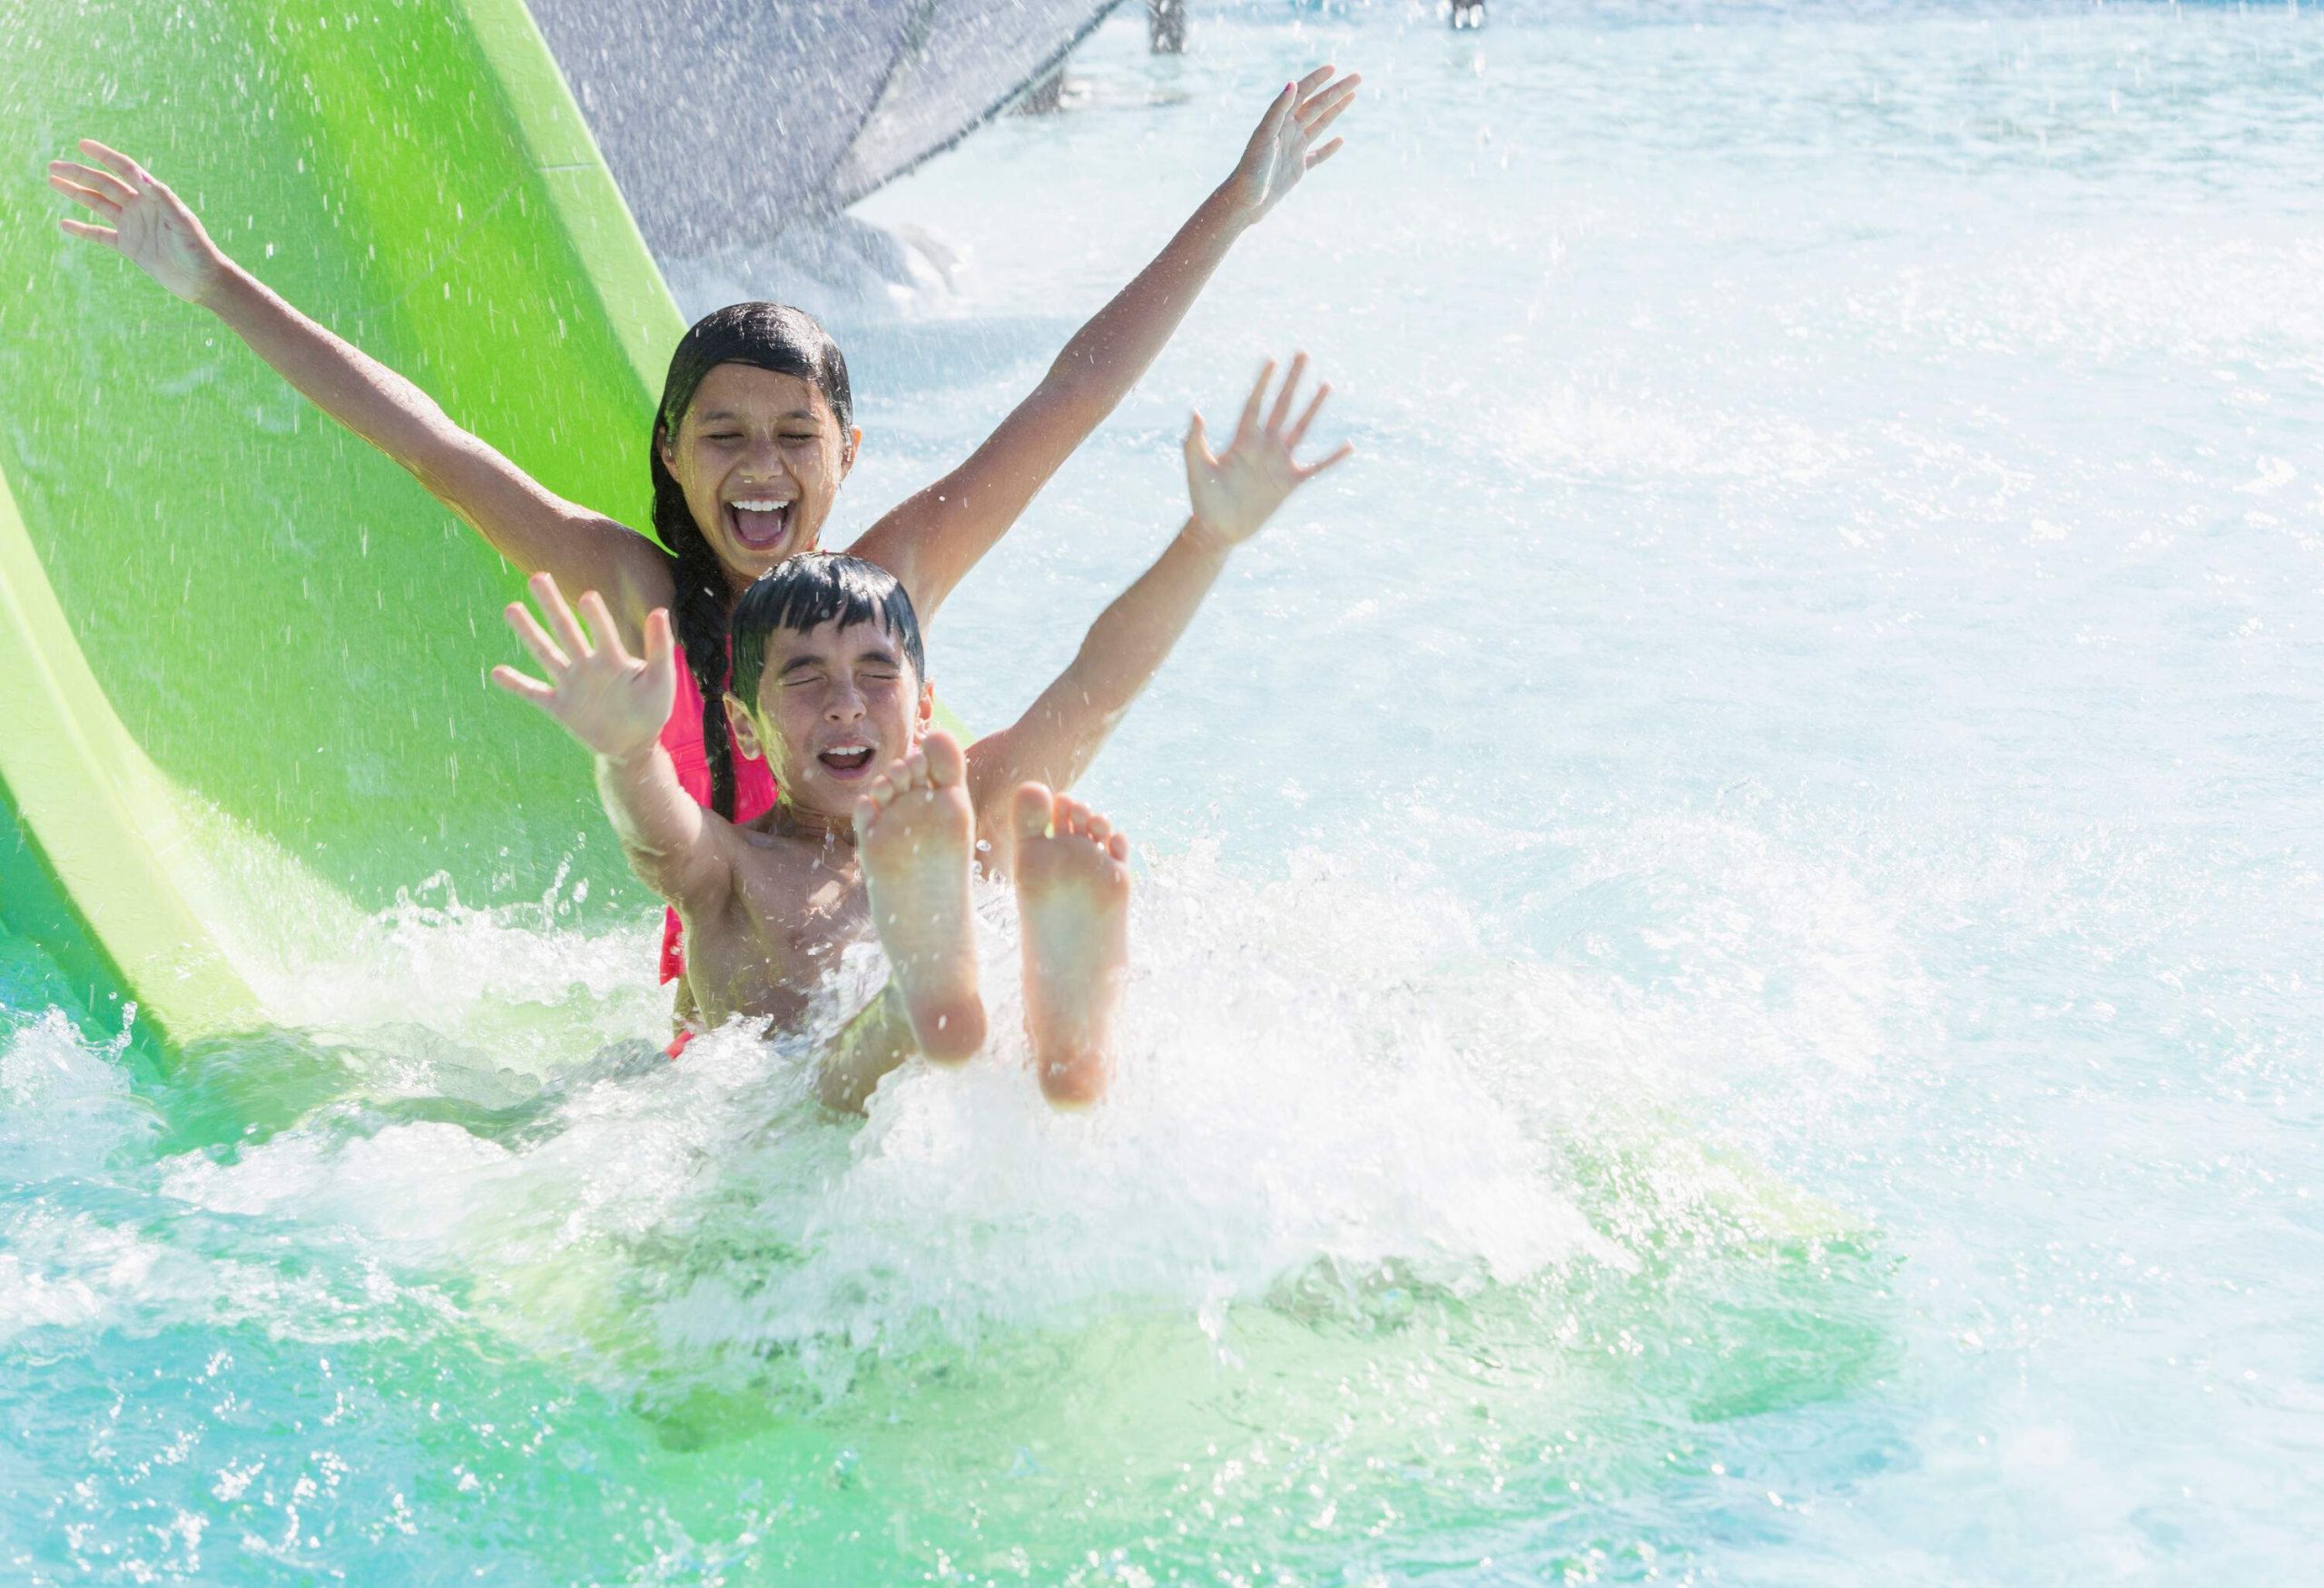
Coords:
136,215
1055,741
931,540
615,705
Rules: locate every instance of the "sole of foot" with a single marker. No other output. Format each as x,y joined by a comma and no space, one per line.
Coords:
913,829
1073,905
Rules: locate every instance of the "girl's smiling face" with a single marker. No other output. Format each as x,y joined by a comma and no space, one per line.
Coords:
759,456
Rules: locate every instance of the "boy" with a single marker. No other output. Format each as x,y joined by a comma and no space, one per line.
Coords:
880,816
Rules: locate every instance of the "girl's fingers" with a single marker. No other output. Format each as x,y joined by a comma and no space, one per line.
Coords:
1325,153
66,175
1298,432
537,640
1317,123
602,625
1314,80
1290,389
522,685
104,234
120,164
88,198
1309,471
104,181
1329,103
1250,419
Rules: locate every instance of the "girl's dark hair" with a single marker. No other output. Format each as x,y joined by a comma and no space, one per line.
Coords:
767,336
805,592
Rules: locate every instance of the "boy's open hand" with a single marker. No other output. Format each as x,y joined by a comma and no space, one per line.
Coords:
1282,149
150,225
1234,495
613,702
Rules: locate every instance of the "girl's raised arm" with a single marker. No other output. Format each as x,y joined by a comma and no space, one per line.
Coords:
932,539
138,217
1232,498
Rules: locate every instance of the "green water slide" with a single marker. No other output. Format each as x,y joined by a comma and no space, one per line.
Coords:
242,658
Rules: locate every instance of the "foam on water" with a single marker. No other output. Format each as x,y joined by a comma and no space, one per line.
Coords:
1336,1168
1344,1095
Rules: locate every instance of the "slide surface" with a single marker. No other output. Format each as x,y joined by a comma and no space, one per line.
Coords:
242,656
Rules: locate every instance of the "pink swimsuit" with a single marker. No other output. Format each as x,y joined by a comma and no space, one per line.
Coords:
753,789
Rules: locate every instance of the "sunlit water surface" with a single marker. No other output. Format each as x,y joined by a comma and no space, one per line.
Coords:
1727,930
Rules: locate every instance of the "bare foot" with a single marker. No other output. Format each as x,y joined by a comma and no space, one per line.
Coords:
1073,905
912,832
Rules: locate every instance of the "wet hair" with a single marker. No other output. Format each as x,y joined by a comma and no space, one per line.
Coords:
805,592
766,336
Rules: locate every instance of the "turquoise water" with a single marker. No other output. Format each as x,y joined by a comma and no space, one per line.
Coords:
1728,923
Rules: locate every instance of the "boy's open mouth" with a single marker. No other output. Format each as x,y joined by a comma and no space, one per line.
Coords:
762,524
847,762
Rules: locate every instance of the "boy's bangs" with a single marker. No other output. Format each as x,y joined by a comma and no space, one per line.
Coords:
803,593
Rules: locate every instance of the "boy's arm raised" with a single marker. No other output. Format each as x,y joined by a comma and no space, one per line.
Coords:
615,705
1055,741
138,217
931,540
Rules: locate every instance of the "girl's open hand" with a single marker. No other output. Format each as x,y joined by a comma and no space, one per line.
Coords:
1282,149
613,702
1234,495
147,222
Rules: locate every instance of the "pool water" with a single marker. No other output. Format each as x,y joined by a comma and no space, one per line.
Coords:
1727,985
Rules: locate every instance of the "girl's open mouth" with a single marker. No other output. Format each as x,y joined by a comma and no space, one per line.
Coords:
760,525
847,762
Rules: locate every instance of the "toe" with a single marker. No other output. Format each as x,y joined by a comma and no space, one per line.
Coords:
1118,847
1031,810
1071,814
1098,829
867,811
948,765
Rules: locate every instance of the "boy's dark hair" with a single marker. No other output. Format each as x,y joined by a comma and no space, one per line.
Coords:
809,590
767,336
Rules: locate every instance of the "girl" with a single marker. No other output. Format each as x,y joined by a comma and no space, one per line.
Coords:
754,437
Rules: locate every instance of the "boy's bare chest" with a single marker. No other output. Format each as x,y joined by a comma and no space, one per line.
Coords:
792,916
